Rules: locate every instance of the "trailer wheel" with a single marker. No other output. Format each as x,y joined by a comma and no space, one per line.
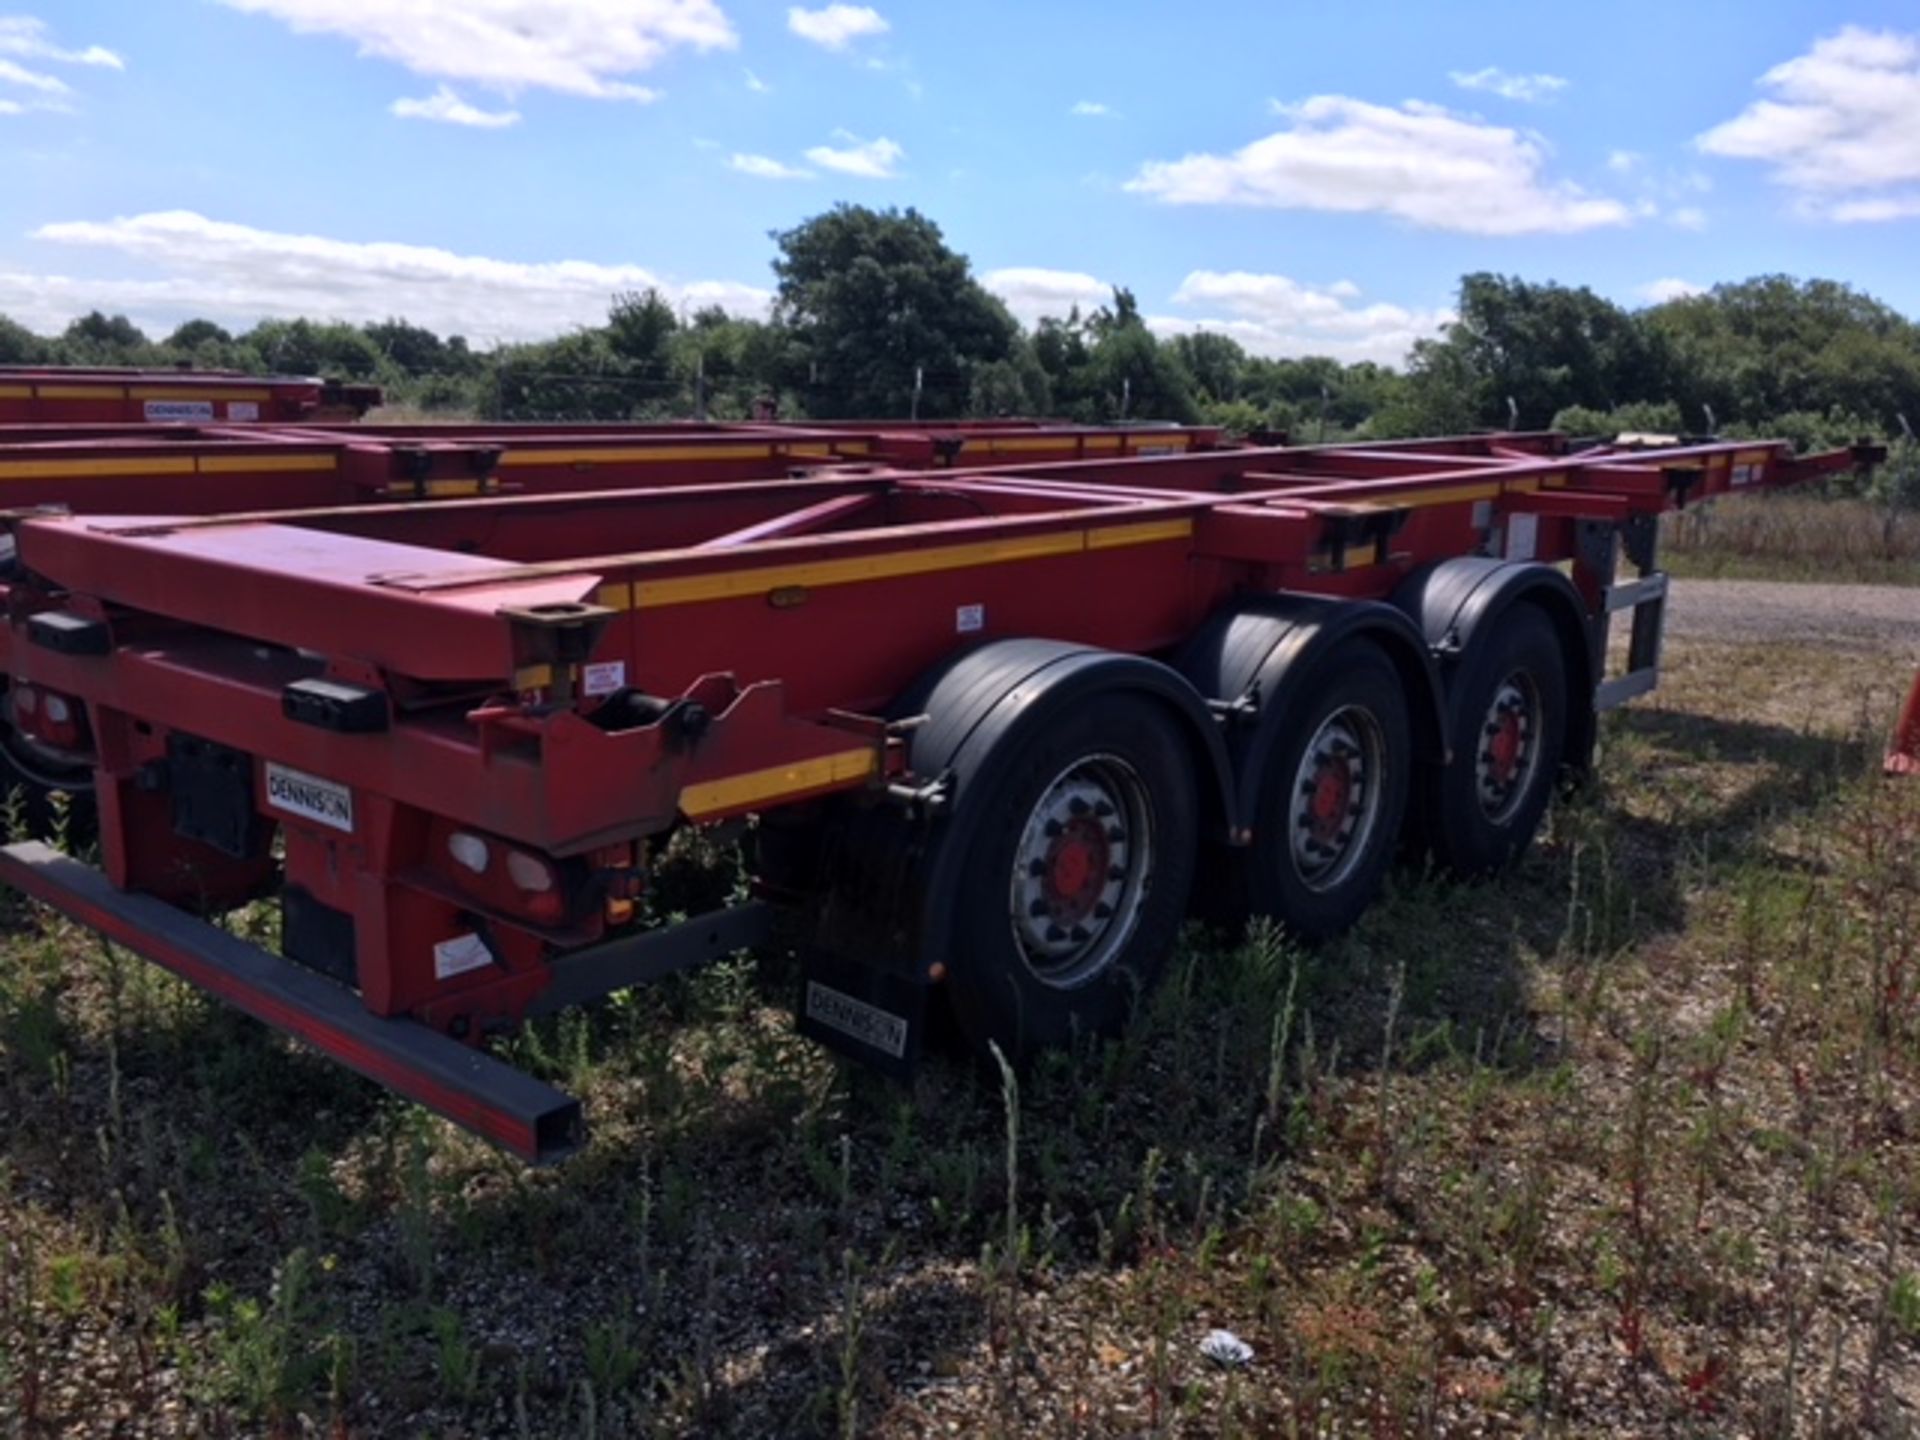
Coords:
1076,876
1509,725
48,799
1333,793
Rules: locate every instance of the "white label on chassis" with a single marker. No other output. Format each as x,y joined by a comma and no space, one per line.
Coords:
310,797
604,677
162,410
459,955
866,1023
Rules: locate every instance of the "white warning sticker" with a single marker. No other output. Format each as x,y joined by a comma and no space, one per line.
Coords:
459,955
969,619
1523,536
604,677
243,410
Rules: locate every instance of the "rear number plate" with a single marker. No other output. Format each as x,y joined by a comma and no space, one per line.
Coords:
868,1024
323,801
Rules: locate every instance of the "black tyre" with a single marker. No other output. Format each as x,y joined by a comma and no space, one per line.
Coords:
1080,836
42,796
1508,708
1333,793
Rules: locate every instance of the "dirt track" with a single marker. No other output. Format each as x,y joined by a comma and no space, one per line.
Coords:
1877,618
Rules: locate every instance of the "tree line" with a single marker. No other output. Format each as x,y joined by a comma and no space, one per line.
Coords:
876,315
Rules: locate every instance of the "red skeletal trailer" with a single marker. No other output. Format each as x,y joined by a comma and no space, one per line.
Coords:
992,725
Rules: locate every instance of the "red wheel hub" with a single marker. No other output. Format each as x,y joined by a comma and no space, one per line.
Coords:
1505,746
1077,867
1328,803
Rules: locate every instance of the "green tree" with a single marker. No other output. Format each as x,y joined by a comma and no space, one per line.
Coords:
19,345
309,347
197,335
1218,363
640,329
98,339
1774,345
876,296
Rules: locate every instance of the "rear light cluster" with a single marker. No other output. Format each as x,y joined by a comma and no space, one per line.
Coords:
50,718
515,880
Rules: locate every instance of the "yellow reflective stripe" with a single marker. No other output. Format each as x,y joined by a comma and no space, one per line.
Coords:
1044,443
16,392
1451,494
1147,533
178,392
736,792
82,392
612,456
435,489
93,469
1752,457
265,464
532,677
171,465
889,565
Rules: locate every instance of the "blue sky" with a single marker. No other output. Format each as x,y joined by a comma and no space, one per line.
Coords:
1307,177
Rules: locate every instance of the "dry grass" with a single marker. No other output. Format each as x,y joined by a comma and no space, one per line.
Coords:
1627,1143
1794,537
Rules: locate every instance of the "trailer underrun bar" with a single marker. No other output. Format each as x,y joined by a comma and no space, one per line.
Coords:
988,719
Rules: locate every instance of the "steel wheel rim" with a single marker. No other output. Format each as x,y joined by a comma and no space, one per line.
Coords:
1081,871
1507,750
1338,788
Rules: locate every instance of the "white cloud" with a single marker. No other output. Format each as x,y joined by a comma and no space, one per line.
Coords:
1031,292
1277,315
1840,128
27,36
1494,80
836,26
765,167
1623,162
1418,162
23,37
14,73
575,47
449,109
238,274
1884,207
756,84
1269,314
1091,108
1659,292
869,159
1688,217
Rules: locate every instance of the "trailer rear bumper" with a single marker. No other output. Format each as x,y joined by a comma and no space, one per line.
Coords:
525,1116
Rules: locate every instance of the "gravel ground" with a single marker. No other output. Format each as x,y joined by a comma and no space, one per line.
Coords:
1849,617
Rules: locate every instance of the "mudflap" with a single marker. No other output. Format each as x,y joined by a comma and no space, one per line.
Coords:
869,1015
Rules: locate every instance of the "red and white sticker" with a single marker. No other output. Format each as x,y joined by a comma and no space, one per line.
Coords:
604,677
